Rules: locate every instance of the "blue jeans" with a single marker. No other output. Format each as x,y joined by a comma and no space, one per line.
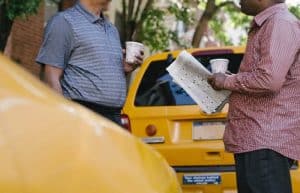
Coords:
263,171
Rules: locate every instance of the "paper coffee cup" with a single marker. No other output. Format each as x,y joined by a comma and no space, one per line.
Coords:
219,65
133,49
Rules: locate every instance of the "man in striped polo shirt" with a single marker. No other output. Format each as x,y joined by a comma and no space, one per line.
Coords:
83,58
263,129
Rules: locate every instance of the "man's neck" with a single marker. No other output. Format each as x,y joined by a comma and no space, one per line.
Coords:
271,4
91,7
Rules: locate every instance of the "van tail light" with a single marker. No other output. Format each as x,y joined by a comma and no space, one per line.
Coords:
125,122
151,130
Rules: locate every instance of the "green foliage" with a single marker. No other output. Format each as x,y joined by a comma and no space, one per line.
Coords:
236,20
19,8
295,10
202,4
156,33
181,13
218,27
239,19
233,19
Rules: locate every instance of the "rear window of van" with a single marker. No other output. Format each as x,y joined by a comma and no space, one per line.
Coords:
158,89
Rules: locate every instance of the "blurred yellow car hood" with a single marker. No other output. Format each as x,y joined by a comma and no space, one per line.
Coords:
50,145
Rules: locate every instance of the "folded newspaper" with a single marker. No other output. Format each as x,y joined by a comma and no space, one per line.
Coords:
191,75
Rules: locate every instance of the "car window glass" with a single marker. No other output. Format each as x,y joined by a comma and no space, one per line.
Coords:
158,89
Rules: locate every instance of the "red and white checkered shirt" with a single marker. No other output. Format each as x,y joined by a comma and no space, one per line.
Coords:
264,108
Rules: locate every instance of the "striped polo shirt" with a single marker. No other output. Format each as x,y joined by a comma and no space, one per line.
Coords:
89,51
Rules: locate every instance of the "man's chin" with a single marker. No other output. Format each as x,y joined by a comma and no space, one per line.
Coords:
105,7
245,11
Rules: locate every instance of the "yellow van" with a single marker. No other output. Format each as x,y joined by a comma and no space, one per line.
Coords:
51,145
162,114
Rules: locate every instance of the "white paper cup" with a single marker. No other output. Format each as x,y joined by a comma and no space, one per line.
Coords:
219,65
133,49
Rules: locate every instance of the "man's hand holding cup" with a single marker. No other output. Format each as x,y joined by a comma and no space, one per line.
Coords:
134,56
219,69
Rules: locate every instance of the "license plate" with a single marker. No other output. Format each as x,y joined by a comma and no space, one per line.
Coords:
208,130
201,179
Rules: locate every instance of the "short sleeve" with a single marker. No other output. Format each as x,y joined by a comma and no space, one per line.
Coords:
57,44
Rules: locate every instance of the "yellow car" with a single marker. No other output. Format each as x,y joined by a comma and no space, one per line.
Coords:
50,145
162,114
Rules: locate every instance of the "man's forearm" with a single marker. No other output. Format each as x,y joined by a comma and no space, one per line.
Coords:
52,78
55,85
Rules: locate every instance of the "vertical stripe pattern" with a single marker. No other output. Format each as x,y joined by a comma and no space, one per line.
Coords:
264,108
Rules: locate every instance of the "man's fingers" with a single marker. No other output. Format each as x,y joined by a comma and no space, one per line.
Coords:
139,61
211,77
210,80
216,88
140,58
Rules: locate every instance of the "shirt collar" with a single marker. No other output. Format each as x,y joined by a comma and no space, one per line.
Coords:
91,17
264,15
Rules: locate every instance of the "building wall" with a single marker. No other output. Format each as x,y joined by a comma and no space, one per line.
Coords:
25,39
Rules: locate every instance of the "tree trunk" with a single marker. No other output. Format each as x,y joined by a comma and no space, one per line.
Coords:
210,10
124,22
131,26
130,22
202,25
137,32
136,35
5,27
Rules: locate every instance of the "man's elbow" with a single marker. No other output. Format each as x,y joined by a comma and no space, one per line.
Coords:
274,86
270,83
52,79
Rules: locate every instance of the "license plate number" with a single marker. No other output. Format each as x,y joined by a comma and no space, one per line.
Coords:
208,130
